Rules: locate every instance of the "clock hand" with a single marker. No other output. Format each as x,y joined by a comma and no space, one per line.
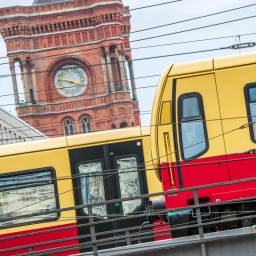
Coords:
70,81
76,82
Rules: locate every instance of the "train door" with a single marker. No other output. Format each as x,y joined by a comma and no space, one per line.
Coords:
237,96
109,172
198,134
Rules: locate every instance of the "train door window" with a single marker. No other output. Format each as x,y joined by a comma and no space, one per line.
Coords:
250,91
129,183
92,187
26,194
192,126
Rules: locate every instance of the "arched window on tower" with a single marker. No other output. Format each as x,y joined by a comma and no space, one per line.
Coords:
68,125
86,124
123,125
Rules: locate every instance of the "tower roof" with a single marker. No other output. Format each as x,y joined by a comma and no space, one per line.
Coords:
48,1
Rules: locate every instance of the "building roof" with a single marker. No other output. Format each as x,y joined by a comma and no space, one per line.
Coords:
48,1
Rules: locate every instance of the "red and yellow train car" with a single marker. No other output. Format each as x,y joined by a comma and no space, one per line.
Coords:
203,134
45,184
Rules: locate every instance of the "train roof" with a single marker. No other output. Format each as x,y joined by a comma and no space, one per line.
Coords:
212,64
87,139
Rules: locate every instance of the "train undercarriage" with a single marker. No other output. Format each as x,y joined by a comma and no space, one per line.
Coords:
212,218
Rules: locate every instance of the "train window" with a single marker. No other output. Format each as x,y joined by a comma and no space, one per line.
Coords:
25,194
250,92
92,187
192,126
129,183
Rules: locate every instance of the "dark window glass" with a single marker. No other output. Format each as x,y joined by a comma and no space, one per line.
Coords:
86,124
251,108
92,187
123,125
68,127
23,194
129,183
192,126
190,107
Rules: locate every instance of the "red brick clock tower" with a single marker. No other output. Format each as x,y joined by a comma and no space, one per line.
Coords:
75,63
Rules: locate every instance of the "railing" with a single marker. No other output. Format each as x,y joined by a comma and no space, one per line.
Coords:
125,236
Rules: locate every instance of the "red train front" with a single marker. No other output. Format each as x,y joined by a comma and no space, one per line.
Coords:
203,137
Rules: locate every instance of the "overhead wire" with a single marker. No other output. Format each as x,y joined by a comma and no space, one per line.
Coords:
187,225
193,29
111,174
134,9
167,56
138,59
164,25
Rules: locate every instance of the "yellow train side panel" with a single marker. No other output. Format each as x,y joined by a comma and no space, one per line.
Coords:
154,185
231,83
162,90
205,85
58,159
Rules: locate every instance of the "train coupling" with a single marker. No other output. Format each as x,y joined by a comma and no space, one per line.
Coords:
155,210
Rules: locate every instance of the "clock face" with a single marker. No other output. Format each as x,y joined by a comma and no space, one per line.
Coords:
70,81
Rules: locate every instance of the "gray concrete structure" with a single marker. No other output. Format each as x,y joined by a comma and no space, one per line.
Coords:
235,242
14,130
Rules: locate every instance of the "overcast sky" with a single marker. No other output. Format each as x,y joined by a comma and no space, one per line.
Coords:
213,36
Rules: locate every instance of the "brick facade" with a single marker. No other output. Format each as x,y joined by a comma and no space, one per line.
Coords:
91,35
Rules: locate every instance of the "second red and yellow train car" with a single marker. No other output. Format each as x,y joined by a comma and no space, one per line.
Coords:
203,136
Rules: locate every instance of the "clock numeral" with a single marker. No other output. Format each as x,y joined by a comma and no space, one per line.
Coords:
75,70
62,87
66,91
82,79
69,70
60,76
64,71
78,89
80,73
72,92
59,82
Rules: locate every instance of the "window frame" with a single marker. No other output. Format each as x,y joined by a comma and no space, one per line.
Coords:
248,109
200,117
80,197
86,127
68,126
139,175
54,182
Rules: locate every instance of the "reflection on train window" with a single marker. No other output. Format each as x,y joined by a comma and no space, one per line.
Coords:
129,183
191,123
190,107
92,187
252,106
23,194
